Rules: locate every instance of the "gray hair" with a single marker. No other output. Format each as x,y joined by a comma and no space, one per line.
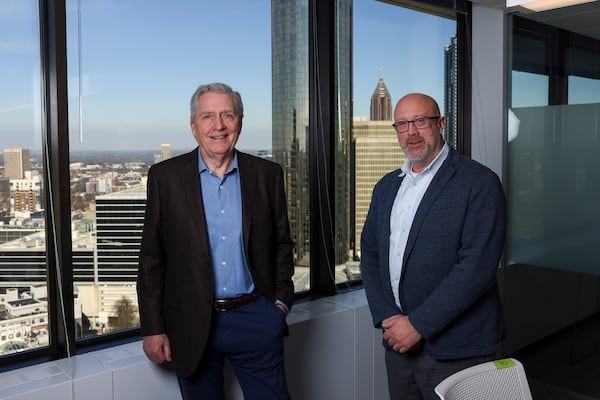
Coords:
216,87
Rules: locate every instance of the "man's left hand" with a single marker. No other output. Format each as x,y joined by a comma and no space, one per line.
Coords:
400,333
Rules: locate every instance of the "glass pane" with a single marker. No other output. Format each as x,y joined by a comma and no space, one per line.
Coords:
584,76
23,294
133,67
529,89
416,62
289,26
550,285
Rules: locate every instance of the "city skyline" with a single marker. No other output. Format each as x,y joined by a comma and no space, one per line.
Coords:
138,107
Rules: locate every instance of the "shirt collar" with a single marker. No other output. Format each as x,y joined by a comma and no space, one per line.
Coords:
202,166
441,156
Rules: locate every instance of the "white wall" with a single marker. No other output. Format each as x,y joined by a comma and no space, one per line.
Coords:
332,353
489,87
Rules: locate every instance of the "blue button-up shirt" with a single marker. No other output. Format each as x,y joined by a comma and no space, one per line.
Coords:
223,209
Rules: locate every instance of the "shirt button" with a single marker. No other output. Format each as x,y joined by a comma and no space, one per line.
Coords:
222,237
223,263
222,211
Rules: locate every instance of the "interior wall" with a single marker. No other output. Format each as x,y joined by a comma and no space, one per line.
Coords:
488,87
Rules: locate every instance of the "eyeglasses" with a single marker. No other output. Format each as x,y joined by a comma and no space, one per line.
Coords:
420,123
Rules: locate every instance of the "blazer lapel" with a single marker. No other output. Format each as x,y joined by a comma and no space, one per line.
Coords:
248,189
433,191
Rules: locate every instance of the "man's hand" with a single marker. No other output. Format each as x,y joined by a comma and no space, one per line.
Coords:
157,348
399,333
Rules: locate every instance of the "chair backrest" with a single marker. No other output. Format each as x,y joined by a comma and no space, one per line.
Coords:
495,380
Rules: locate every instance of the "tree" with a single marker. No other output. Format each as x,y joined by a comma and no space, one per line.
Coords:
125,314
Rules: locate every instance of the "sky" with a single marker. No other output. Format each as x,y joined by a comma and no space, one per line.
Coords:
133,65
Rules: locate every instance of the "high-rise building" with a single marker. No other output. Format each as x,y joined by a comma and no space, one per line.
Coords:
381,102
450,93
165,152
26,193
16,163
290,88
377,152
119,226
289,32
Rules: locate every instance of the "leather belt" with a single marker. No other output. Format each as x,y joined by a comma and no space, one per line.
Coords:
234,302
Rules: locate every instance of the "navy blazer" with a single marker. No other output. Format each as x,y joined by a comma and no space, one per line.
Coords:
175,276
448,286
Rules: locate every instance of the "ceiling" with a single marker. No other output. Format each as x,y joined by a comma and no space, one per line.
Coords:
582,18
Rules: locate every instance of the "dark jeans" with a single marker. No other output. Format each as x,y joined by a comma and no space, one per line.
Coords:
251,337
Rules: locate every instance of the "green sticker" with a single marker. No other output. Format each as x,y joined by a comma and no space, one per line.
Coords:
504,363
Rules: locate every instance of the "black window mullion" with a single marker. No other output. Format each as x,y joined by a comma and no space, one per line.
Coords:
321,155
56,177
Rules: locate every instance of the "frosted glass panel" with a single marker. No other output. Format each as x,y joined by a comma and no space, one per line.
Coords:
554,192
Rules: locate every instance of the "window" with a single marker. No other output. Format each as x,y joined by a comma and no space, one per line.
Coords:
23,273
132,71
389,61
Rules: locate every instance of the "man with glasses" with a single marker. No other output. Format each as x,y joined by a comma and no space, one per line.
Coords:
216,266
430,249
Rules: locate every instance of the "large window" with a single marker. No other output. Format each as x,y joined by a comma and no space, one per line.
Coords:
390,61
133,67
24,315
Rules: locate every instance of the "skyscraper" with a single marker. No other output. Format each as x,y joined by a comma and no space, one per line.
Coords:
450,93
381,102
377,153
16,162
290,86
289,33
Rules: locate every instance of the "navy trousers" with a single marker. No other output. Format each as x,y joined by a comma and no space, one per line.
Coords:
251,337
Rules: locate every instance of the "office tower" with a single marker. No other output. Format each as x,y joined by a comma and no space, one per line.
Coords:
344,246
289,32
16,163
381,102
450,93
377,152
290,120
119,225
165,152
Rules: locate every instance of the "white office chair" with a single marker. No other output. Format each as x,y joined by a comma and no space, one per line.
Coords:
495,380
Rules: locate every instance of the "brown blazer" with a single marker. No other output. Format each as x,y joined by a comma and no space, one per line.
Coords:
175,282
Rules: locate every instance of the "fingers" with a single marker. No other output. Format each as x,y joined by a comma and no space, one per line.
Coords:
157,348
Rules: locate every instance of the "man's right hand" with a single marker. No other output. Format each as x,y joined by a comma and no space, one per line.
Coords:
157,348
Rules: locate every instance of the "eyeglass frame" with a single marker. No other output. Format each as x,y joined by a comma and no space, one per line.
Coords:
414,122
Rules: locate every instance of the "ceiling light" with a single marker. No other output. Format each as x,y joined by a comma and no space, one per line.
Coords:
543,5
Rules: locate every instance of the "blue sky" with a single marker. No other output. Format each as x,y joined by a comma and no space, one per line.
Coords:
141,61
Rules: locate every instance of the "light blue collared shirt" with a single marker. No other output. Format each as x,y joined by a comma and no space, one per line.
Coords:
405,206
223,209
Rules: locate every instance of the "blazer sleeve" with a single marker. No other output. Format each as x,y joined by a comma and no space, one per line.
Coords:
151,269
